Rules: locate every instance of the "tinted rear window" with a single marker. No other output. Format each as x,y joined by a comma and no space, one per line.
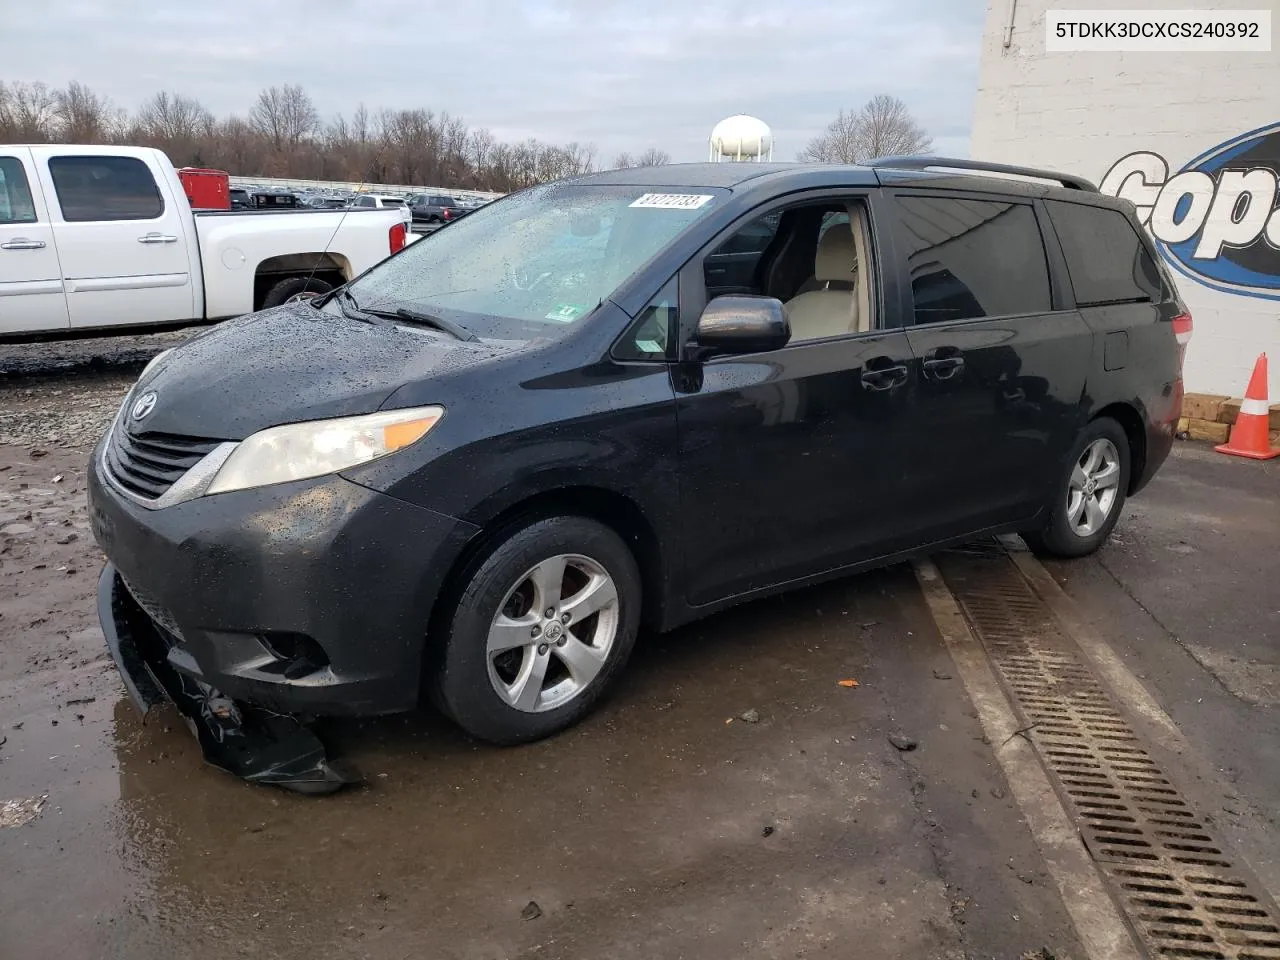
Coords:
105,188
1106,259
973,258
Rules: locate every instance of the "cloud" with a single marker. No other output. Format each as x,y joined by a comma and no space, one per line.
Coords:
622,74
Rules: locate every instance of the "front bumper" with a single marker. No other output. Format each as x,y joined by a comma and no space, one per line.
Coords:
309,598
257,745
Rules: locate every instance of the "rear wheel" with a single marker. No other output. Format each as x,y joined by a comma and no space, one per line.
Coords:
1088,498
293,289
543,627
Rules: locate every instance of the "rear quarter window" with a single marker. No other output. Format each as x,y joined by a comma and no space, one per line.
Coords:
1106,258
973,258
105,188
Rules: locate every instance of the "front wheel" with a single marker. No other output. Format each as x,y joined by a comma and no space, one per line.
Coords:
541,630
1088,497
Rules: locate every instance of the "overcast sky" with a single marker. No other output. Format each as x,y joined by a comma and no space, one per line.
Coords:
622,74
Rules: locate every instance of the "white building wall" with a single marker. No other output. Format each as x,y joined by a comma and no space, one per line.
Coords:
1083,112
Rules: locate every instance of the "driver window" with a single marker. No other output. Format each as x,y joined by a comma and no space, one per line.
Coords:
810,256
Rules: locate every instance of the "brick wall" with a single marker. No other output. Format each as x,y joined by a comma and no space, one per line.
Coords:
1082,112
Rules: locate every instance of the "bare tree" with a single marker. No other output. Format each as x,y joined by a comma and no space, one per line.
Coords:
282,136
173,118
28,112
882,127
84,116
653,157
480,148
285,115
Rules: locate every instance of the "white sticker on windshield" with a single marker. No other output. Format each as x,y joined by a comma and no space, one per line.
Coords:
673,201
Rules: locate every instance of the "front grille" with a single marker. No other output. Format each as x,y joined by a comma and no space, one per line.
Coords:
150,464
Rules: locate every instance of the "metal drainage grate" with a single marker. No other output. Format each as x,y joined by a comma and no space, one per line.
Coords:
1174,880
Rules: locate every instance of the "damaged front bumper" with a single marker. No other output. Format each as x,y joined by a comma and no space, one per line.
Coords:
253,743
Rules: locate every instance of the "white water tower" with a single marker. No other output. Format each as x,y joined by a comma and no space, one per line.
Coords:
741,138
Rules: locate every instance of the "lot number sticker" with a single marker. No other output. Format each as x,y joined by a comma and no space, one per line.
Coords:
566,313
673,201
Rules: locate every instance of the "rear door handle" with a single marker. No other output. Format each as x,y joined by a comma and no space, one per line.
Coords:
943,368
22,243
157,238
884,378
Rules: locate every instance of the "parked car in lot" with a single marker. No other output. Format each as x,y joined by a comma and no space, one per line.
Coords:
634,397
437,208
96,238
275,200
382,201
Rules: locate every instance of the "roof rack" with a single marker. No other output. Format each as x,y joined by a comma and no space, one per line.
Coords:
981,166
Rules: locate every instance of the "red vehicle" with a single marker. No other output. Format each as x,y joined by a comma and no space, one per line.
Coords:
206,189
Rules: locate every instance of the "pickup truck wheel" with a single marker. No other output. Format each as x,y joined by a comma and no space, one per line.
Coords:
294,288
544,625
1089,494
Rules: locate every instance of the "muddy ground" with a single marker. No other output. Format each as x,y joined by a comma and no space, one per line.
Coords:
666,825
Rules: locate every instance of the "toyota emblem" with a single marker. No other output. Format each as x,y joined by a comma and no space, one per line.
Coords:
144,405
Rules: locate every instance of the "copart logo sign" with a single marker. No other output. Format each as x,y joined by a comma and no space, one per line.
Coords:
1215,220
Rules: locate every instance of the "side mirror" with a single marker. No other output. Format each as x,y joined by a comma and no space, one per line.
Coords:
743,324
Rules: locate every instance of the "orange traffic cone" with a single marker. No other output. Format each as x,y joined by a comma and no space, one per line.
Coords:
1249,433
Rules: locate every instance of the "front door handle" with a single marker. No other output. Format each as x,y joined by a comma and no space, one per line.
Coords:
22,243
157,238
884,378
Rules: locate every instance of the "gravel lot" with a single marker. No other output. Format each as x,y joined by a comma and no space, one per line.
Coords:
56,400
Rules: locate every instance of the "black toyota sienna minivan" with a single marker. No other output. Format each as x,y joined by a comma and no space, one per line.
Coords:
628,398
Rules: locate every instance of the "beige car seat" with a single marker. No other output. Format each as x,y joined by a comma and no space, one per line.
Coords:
830,311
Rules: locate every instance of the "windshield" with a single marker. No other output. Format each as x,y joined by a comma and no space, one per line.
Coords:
536,263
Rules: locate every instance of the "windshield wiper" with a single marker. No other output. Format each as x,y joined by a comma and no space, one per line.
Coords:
434,322
380,317
345,300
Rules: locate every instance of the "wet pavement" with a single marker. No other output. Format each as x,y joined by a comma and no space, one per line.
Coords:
665,825
1187,591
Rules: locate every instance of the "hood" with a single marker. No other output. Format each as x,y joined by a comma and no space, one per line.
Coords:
290,364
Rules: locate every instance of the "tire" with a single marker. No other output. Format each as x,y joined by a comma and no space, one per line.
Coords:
290,288
433,219
509,593
1072,532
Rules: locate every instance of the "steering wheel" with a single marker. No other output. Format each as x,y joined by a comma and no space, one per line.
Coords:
521,280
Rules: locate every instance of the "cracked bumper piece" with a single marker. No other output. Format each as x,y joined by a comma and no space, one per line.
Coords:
254,744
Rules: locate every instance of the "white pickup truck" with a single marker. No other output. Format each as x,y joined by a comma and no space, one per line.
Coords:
98,238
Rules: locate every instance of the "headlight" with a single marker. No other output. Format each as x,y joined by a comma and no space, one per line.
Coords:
297,451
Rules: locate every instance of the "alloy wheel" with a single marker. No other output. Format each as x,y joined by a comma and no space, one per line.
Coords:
1093,488
553,633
